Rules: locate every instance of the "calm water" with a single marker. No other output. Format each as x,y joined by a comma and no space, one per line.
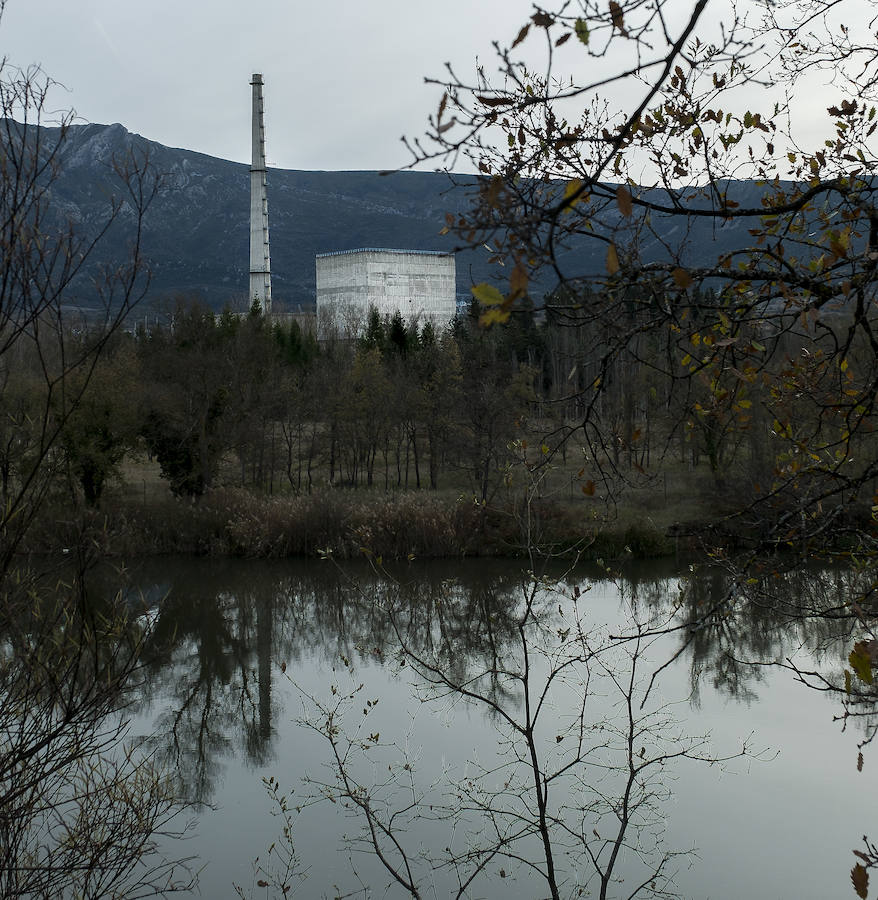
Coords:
778,823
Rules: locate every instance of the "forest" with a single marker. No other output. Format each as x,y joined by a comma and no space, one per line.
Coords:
477,416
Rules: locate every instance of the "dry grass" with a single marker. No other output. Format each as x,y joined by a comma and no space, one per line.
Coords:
144,518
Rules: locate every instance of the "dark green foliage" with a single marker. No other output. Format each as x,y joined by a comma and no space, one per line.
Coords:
374,336
398,335
180,455
187,371
297,348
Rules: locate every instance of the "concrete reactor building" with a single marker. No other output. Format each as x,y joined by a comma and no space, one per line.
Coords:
420,284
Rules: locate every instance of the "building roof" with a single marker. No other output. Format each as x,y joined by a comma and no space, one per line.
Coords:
385,250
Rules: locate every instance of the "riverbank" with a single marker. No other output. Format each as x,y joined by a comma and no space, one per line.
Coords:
232,522
685,515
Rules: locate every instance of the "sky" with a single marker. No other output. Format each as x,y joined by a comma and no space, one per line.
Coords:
344,79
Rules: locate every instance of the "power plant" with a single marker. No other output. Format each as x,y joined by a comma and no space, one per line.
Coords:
260,260
419,284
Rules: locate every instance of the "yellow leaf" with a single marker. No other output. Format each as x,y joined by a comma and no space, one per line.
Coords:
861,662
612,260
573,187
844,365
623,200
487,294
494,315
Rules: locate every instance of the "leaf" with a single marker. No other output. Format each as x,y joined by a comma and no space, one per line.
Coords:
618,18
860,761
588,489
494,315
563,39
838,248
623,201
487,294
581,29
860,879
612,260
681,278
542,20
573,189
518,282
861,662
493,101
521,36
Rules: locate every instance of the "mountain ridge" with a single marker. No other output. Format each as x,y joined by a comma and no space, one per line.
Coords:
196,234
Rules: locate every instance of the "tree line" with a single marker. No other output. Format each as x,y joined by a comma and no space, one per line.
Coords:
237,399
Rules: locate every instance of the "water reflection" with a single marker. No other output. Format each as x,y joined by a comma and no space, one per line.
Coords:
220,626
223,629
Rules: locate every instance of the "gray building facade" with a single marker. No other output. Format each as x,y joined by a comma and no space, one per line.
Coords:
420,284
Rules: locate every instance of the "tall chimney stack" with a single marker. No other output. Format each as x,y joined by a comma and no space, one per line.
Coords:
260,265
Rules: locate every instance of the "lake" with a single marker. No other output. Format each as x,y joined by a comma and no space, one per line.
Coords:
248,660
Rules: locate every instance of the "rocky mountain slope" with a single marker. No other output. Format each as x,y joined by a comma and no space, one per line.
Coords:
196,235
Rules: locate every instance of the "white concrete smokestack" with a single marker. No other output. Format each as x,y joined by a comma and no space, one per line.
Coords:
260,264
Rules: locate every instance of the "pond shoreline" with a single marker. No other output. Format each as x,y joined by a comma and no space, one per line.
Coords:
235,523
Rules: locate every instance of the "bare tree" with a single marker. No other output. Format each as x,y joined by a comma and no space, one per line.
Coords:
82,811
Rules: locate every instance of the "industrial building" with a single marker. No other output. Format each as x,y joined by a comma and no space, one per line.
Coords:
420,284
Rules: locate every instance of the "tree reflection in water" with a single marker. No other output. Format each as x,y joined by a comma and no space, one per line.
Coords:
224,628
220,632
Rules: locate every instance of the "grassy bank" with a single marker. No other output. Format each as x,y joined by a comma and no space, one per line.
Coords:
679,511
235,522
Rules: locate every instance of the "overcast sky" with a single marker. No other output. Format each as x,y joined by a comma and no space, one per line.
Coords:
344,79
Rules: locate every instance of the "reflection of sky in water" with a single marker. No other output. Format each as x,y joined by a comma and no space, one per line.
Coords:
761,829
